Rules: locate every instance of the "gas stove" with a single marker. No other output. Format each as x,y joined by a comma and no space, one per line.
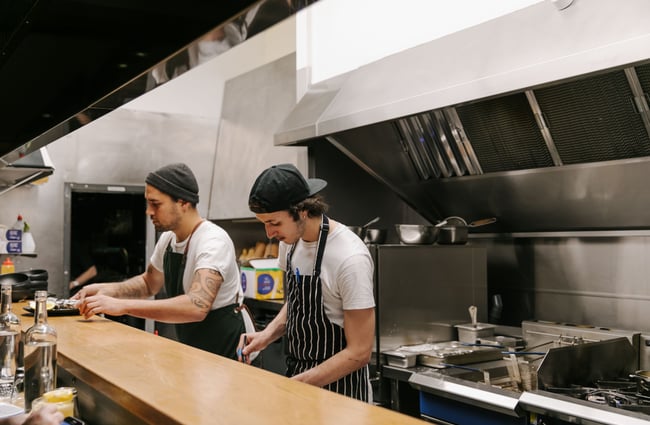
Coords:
623,393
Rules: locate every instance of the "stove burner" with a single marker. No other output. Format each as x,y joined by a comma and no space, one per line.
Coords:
620,393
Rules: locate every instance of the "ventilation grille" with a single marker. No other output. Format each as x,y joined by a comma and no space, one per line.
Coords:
504,134
594,119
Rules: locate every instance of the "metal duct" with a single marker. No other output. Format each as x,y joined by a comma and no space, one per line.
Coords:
545,131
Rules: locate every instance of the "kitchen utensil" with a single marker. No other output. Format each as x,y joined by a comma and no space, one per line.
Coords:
455,231
361,230
371,222
473,310
375,236
400,358
416,234
471,332
20,289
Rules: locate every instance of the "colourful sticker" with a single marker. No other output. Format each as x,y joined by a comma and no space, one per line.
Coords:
265,283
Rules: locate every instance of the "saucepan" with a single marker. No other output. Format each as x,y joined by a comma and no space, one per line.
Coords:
455,229
375,236
361,230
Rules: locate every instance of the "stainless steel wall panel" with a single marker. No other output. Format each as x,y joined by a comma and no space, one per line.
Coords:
600,281
423,290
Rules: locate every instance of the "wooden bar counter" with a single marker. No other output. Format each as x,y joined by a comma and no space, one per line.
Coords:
128,376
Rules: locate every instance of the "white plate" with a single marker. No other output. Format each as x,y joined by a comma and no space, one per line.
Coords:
7,410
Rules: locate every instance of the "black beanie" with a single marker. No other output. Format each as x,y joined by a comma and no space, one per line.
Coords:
176,180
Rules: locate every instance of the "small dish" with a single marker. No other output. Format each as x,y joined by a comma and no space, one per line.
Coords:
8,410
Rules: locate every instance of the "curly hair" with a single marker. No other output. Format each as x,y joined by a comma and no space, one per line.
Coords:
314,205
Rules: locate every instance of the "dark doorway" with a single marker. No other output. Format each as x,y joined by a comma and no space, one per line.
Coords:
106,228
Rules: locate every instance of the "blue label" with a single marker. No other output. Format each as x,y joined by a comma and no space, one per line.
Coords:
265,283
14,247
243,282
14,235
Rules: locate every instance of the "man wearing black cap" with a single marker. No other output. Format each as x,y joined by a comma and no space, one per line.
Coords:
328,314
194,260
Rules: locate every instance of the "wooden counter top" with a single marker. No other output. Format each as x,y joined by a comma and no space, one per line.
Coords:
164,382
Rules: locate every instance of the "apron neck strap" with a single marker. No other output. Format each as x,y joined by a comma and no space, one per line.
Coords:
192,234
187,246
322,239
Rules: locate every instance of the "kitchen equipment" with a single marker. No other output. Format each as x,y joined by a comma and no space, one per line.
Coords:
400,358
426,312
455,229
471,333
361,230
453,352
19,282
375,236
416,234
23,286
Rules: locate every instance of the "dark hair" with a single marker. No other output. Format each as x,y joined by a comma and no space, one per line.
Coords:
314,205
176,199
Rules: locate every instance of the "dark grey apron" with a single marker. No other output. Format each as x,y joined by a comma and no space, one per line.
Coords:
311,336
220,330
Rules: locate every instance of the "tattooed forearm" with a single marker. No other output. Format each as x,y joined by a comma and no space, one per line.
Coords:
135,287
205,285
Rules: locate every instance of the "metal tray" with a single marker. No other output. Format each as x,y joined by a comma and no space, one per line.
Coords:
57,311
454,352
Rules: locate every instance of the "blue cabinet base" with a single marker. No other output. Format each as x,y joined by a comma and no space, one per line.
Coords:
460,413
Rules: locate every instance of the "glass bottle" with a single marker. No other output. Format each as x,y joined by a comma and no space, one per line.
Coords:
40,353
10,359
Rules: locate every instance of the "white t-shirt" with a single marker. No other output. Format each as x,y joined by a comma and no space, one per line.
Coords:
210,248
346,271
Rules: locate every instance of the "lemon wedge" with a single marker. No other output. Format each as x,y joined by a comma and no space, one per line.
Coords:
48,305
58,395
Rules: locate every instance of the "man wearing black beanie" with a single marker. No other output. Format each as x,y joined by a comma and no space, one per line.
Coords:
194,261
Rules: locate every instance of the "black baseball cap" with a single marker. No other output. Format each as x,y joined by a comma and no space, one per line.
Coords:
280,187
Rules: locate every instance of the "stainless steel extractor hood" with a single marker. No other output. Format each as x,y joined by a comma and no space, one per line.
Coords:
33,167
539,118
64,63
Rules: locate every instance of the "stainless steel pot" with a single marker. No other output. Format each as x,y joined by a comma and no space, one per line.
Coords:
375,236
455,231
416,234
361,230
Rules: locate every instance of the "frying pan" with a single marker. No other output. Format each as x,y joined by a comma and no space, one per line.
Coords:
18,282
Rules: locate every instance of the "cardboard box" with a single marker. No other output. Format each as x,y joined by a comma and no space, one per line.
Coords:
262,279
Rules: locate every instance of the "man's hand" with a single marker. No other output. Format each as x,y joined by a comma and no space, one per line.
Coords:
96,304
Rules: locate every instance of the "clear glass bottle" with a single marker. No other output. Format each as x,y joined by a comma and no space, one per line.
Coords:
10,354
40,353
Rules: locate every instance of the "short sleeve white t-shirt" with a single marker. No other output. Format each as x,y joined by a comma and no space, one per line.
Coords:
346,272
210,248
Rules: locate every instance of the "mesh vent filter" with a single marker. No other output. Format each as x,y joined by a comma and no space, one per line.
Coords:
643,72
593,119
504,134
